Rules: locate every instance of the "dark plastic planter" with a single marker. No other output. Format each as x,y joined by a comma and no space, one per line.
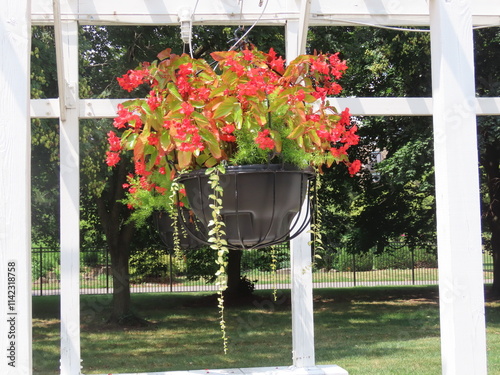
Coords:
260,202
164,225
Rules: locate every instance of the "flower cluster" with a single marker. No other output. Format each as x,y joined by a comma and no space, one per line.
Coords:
250,108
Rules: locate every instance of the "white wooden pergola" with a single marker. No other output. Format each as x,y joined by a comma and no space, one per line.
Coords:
453,106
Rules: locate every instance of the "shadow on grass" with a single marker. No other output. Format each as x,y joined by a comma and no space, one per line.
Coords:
366,330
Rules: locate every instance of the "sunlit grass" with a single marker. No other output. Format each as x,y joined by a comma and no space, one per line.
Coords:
368,331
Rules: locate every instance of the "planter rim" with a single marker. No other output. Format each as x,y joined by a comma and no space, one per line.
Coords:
252,168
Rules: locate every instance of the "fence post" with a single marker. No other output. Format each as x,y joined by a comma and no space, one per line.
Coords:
412,251
40,250
107,270
354,267
171,273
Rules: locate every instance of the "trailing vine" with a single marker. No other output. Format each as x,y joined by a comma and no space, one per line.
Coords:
174,215
316,222
274,261
216,236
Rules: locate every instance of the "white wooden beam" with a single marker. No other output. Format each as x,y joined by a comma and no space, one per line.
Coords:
304,17
461,290
106,108
60,61
70,196
15,190
227,12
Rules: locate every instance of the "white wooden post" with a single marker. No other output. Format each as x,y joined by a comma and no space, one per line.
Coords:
303,348
300,253
15,190
463,343
67,57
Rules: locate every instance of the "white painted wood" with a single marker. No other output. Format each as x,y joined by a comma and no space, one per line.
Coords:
462,308
60,61
70,197
304,16
227,12
15,192
301,263
277,370
106,108
463,342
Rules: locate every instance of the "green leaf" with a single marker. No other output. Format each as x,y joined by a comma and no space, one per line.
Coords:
297,132
224,108
184,159
165,140
173,90
211,141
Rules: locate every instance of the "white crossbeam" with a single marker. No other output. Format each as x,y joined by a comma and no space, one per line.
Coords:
227,12
106,108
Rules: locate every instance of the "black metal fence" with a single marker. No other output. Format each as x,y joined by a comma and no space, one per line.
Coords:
156,270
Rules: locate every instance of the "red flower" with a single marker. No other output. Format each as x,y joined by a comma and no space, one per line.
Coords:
140,168
185,69
345,118
114,142
247,55
350,138
354,167
132,79
338,66
187,109
153,101
112,158
264,141
320,93
228,138
338,152
235,66
126,117
320,66
278,64
153,140
228,129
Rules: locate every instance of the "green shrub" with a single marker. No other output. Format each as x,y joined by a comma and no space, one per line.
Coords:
93,257
152,265
261,259
393,259
200,264
425,259
42,265
345,261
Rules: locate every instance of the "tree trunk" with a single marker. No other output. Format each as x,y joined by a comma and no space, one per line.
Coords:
113,215
121,284
490,162
234,273
495,245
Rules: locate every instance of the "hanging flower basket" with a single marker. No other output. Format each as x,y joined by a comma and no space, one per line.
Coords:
247,108
166,227
260,203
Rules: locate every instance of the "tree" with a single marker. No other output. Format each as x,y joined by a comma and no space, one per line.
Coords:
45,143
374,209
488,84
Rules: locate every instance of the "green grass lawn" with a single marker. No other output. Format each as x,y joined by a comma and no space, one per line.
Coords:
367,331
